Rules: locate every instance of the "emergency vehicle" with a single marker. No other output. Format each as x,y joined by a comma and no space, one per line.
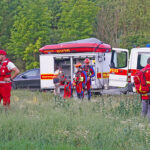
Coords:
123,67
113,66
66,55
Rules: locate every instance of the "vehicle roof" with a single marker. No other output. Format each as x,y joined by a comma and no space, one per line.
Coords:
119,49
141,49
78,46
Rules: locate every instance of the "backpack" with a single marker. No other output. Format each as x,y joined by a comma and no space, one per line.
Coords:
140,82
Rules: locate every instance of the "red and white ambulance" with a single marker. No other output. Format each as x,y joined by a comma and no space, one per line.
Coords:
66,55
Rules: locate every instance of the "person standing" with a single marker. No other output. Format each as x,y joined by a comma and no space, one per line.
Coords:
145,98
79,80
90,74
56,81
67,88
6,77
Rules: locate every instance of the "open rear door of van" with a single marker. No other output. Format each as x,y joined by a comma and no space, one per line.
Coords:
47,71
119,67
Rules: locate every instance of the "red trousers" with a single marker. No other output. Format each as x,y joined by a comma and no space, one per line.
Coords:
5,93
67,91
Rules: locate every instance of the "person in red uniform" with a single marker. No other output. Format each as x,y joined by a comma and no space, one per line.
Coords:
80,80
67,89
145,98
62,78
90,74
6,67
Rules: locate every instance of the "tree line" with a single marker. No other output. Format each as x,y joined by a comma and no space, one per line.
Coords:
27,25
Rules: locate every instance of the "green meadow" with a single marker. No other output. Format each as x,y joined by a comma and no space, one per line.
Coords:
41,121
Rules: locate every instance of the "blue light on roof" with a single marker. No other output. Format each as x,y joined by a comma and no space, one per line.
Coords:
147,45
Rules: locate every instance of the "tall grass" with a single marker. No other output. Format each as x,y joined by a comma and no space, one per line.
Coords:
39,121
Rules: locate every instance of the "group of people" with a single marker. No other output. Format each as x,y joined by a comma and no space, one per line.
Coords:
81,82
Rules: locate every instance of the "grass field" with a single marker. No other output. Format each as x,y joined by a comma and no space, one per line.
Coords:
40,121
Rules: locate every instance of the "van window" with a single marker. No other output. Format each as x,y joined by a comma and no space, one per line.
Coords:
142,60
118,59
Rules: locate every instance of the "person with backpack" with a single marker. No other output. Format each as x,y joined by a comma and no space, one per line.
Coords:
142,85
80,80
90,74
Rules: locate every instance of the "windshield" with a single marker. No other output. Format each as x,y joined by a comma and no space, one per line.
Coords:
118,59
142,60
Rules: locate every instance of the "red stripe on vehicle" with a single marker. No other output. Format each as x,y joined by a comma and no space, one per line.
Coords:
118,71
47,76
103,75
133,71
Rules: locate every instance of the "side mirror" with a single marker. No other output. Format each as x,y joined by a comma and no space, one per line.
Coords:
24,76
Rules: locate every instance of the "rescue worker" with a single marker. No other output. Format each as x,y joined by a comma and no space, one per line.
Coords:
62,78
6,68
80,80
145,98
56,81
90,74
67,89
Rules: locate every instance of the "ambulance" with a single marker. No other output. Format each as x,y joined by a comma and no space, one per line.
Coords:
66,55
123,68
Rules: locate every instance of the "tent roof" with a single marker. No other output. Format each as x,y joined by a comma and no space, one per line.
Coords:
78,46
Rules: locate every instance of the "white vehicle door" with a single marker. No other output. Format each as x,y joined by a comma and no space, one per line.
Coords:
47,71
119,67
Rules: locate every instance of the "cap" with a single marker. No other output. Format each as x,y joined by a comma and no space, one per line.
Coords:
87,61
2,52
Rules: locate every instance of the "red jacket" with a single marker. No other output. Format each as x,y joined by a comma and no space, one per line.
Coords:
147,76
79,80
4,72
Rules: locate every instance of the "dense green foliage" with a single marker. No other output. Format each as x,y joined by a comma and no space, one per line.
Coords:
25,26
77,19
41,121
